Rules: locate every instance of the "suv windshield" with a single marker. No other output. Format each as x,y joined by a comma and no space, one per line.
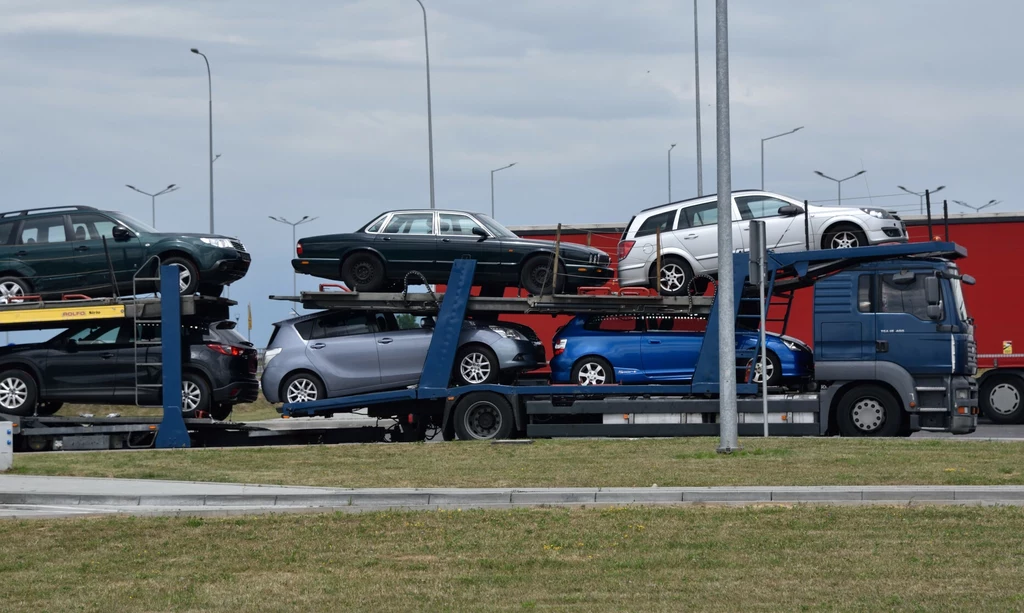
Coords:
133,224
496,228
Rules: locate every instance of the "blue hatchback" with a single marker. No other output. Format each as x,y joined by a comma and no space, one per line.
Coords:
603,349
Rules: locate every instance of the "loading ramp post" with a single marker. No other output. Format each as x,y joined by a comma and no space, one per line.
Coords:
172,432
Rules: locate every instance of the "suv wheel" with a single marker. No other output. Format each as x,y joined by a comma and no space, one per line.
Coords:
17,392
13,289
195,395
188,274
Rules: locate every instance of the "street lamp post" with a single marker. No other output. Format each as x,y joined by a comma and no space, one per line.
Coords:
170,188
762,149
977,209
671,147
209,85
430,121
920,195
492,184
293,224
696,95
839,182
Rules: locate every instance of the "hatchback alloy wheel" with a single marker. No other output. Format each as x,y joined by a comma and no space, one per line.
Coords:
592,373
13,393
673,277
301,390
845,240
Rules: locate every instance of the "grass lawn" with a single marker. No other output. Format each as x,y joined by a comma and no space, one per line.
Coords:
613,559
566,462
261,409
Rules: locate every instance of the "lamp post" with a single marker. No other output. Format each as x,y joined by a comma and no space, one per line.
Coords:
170,188
977,209
430,121
920,195
839,182
209,85
293,224
671,147
762,149
696,95
492,184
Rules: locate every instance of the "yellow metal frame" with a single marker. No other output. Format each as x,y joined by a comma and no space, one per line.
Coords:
66,313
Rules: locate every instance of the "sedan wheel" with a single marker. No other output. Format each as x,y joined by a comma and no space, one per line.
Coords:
475,368
301,390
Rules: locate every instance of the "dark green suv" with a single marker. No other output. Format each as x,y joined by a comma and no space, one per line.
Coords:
60,250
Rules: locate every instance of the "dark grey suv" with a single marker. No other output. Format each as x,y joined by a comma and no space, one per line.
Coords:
334,353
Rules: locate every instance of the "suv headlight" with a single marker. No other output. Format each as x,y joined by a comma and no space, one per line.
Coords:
269,355
507,333
223,243
879,213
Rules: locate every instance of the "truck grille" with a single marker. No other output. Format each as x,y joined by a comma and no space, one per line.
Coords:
972,356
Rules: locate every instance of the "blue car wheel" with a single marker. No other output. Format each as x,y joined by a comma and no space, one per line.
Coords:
592,370
771,365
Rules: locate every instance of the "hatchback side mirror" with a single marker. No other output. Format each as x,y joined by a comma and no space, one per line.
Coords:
121,233
790,210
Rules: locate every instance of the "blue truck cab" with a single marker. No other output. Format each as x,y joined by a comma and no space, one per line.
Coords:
903,326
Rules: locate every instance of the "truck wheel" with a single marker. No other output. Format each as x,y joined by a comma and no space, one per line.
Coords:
869,410
483,416
221,410
48,407
17,392
1002,399
536,276
476,365
211,289
592,370
363,272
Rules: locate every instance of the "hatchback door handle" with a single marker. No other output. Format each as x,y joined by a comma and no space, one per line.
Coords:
82,248
689,236
106,355
653,342
317,346
385,341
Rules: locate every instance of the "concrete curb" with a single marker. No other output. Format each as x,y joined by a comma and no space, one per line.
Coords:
433,498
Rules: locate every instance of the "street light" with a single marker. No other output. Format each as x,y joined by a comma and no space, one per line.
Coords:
430,122
492,184
762,149
696,95
209,85
671,147
170,188
977,209
839,182
921,194
305,219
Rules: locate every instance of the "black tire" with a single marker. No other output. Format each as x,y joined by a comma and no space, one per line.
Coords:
844,236
188,274
535,277
869,410
476,365
592,369
48,407
1002,399
221,410
211,289
363,272
675,276
18,392
774,368
195,395
302,387
483,416
12,287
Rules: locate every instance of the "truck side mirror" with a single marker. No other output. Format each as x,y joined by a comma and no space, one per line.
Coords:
968,280
934,312
931,291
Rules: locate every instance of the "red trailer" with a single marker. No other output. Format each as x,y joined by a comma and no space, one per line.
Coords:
990,241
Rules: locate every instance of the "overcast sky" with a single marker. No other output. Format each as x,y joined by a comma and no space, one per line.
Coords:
320,108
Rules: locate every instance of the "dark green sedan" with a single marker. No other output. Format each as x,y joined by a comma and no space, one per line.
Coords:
378,255
51,252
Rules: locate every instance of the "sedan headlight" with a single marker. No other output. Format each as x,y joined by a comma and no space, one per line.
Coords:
507,333
879,213
269,355
223,243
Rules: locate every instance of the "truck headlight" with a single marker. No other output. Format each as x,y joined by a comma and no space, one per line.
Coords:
507,333
963,394
223,243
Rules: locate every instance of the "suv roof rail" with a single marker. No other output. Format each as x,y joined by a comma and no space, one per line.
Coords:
48,209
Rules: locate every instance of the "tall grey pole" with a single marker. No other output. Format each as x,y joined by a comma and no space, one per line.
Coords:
920,195
430,120
726,309
152,197
762,149
293,224
209,85
839,182
492,184
696,91
670,171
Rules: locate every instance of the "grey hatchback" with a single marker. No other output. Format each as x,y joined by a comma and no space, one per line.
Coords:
335,353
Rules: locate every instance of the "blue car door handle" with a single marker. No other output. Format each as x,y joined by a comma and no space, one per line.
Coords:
317,346
385,341
653,342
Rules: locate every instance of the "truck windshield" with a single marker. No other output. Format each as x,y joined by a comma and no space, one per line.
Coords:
958,298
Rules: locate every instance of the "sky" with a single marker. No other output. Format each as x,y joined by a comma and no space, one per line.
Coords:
319,109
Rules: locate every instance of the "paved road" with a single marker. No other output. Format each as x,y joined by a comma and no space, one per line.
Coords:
985,430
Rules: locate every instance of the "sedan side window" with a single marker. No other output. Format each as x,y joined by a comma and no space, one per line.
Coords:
411,223
700,215
457,225
342,324
42,230
759,207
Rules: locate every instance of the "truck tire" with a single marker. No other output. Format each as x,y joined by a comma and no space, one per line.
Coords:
48,407
869,410
483,416
220,411
18,393
363,272
1002,399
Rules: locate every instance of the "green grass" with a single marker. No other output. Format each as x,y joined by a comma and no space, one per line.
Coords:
261,409
611,559
566,462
